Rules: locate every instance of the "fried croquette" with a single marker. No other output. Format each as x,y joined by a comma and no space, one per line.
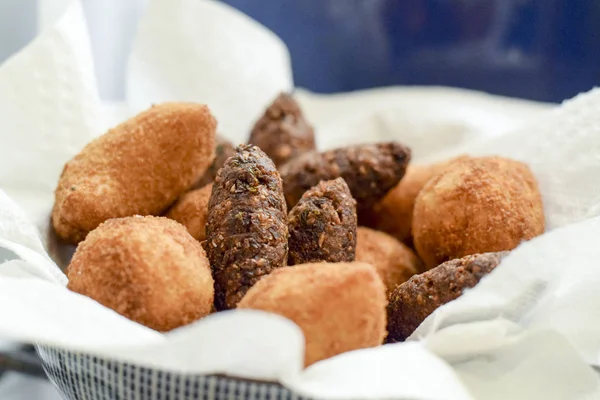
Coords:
393,260
223,150
148,269
191,211
139,167
246,232
393,214
476,205
339,306
370,170
322,226
414,300
282,132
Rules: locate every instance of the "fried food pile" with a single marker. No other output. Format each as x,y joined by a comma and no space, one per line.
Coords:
356,245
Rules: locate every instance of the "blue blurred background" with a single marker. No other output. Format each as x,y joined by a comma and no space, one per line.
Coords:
536,49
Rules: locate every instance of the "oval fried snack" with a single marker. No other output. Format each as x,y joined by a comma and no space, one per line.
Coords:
223,150
339,306
394,261
322,226
139,167
476,205
148,269
370,171
393,214
282,132
414,300
246,232
191,211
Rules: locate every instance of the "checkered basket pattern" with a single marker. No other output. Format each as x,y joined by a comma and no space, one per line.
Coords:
80,376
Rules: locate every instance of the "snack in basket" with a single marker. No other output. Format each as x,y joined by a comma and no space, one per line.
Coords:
282,132
370,170
139,167
246,232
393,214
191,210
148,269
414,300
223,150
339,306
322,226
476,205
394,261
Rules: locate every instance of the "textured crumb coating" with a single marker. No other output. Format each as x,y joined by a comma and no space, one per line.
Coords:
322,226
148,269
339,306
191,210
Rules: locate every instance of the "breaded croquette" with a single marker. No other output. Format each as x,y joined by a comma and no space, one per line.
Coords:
414,300
394,261
476,205
246,232
148,269
370,171
393,214
139,167
282,132
322,225
339,306
191,210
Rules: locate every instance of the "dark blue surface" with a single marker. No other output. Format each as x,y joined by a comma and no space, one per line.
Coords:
537,49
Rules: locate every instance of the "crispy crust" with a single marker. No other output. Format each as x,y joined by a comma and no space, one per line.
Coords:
421,295
139,167
394,261
322,226
148,269
339,306
191,210
246,233
282,132
370,170
476,205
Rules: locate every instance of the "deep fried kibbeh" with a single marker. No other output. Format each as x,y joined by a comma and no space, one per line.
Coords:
139,167
394,261
191,210
370,171
339,306
246,232
223,150
148,269
393,214
282,132
476,205
322,226
414,300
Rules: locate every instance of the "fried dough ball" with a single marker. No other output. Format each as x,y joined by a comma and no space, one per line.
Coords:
393,214
339,306
148,269
414,300
139,167
394,261
191,210
476,205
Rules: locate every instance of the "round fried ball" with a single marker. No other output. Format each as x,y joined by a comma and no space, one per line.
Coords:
191,211
476,205
414,300
394,261
339,306
148,269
